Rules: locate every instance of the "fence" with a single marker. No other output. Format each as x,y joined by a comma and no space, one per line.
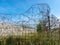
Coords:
36,26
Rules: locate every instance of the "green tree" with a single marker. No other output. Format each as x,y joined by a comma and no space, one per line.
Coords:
40,27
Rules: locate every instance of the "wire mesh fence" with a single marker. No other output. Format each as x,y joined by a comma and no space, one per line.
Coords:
36,26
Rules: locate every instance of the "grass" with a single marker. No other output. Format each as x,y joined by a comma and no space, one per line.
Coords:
31,39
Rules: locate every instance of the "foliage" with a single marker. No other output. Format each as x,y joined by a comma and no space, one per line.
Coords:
40,27
36,39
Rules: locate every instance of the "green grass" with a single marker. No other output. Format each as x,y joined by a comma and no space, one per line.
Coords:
31,39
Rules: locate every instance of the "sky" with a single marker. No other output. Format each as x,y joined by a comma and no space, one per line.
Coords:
15,7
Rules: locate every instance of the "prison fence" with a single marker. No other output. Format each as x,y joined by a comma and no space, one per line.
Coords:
36,26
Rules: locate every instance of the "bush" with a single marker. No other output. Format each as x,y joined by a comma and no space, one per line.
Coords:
39,27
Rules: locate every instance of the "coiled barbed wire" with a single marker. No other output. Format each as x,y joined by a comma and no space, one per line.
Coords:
31,17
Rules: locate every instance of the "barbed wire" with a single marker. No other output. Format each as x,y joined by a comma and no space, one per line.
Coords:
35,14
